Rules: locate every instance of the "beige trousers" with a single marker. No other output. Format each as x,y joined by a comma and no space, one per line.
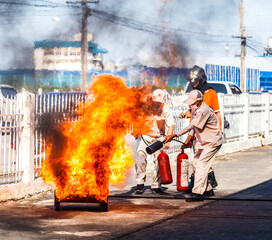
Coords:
141,162
203,160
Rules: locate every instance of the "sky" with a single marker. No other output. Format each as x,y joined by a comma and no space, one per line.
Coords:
133,31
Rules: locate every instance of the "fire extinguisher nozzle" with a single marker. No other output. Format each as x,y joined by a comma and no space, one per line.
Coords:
154,147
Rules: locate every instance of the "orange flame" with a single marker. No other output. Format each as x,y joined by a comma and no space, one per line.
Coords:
84,157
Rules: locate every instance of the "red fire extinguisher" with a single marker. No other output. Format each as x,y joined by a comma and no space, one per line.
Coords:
182,171
165,169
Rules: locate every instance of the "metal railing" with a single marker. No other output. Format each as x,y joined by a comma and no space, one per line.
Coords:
11,127
52,109
250,116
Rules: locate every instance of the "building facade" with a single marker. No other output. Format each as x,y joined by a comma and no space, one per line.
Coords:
66,55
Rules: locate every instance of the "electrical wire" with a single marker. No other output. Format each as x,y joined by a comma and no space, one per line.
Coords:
138,25
46,5
123,21
11,3
257,42
252,48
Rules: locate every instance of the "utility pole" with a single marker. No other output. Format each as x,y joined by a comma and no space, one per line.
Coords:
84,45
243,47
86,12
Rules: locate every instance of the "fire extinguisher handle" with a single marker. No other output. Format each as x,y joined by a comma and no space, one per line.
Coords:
184,145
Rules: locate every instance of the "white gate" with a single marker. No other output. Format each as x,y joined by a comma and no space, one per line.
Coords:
11,118
52,109
25,118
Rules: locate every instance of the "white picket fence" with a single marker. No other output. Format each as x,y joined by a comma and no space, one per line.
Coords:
16,138
249,115
25,118
53,109
11,119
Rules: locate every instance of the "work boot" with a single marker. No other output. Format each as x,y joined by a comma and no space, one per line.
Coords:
195,198
157,191
208,193
139,188
212,180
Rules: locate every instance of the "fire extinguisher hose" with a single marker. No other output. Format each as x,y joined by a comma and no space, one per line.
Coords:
172,140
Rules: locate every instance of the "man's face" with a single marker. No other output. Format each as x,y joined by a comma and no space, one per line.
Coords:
197,104
195,83
157,108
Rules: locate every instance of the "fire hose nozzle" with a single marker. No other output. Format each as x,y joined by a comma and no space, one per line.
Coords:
154,147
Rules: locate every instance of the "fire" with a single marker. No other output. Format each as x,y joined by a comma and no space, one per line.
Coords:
84,157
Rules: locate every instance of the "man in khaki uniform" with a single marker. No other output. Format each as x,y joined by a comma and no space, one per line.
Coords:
205,125
160,118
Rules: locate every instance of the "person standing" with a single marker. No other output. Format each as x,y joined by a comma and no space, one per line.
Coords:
205,125
160,118
198,80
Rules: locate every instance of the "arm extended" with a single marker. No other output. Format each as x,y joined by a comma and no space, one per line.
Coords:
169,138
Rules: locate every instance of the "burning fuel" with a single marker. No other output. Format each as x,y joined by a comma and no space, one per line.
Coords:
84,157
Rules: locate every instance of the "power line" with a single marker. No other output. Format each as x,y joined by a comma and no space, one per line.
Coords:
138,25
154,29
253,48
28,4
260,43
123,21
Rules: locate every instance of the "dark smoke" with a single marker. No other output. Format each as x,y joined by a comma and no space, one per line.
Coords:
15,50
26,21
173,51
127,28
189,25
20,52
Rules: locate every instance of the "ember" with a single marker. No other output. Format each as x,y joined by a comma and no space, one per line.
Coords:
84,157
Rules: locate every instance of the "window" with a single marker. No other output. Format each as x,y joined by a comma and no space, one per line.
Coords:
48,53
8,92
219,87
48,61
235,89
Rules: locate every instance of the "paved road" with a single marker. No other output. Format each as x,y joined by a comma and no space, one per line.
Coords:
244,211
225,219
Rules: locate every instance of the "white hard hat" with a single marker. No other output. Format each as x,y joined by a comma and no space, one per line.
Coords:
158,96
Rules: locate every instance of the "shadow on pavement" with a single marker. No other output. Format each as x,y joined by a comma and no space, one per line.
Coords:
247,216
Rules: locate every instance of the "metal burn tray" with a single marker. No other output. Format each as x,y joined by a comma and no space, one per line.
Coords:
78,199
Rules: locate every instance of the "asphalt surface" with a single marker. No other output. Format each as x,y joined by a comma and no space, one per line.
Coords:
241,209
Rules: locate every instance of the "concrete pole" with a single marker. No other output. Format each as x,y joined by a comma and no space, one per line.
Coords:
84,46
267,114
243,47
246,116
27,104
221,107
